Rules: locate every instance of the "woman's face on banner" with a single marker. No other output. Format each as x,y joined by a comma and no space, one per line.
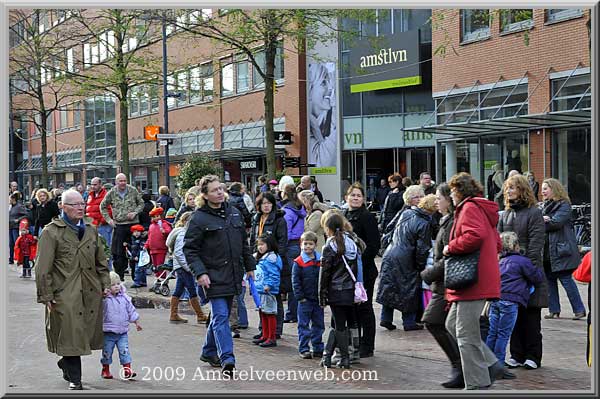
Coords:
321,93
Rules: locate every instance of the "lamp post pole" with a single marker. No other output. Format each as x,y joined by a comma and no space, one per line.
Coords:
165,97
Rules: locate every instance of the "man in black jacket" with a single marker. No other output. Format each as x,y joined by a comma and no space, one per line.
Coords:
217,252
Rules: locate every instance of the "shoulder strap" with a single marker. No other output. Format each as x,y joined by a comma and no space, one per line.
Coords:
348,268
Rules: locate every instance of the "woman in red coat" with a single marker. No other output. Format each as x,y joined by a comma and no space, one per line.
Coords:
474,229
157,238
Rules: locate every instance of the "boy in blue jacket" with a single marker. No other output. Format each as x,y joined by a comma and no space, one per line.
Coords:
305,282
518,278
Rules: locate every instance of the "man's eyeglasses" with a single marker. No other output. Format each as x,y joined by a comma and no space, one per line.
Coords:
77,205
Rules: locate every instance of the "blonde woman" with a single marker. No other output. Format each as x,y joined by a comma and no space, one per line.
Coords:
44,211
315,211
189,205
561,255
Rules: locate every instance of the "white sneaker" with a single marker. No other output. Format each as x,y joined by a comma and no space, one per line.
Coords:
530,365
512,363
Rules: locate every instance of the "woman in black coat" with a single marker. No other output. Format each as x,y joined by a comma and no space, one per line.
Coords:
165,201
522,216
269,220
561,255
46,210
393,202
435,315
364,226
403,261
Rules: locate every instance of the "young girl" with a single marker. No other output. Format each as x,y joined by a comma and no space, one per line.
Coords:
157,236
336,285
118,313
25,248
267,279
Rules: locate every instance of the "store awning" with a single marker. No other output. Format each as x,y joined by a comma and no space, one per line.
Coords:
229,154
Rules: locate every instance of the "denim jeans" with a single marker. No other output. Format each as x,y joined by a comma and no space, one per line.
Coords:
242,312
566,279
408,319
122,343
503,316
105,230
311,325
293,251
218,340
139,276
201,295
185,280
13,234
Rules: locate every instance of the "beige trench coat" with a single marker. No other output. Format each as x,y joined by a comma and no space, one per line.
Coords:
74,274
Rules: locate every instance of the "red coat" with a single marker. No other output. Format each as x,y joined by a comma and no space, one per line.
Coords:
583,273
156,240
475,228
93,207
26,245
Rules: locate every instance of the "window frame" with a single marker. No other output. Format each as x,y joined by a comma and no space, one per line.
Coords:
478,35
228,63
565,14
510,27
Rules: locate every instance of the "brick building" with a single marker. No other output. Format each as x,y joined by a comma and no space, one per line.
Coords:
220,113
513,85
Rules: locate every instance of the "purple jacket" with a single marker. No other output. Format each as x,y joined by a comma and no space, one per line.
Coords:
294,218
518,274
118,313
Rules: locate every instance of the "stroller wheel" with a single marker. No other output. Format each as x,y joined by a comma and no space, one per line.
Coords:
165,290
156,289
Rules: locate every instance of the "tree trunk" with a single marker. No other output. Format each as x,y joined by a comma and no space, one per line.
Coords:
124,119
269,100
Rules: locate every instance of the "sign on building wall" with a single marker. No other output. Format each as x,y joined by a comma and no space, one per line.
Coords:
385,62
322,115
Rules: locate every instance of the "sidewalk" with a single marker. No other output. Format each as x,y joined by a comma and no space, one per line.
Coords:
166,356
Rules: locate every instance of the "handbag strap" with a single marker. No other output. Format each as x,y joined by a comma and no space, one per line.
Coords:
348,268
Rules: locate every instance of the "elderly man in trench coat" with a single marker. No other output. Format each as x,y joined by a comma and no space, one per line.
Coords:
72,278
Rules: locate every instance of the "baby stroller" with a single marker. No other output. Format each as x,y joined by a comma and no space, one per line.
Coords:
161,284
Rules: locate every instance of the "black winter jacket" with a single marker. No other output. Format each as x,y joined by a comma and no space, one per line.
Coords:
237,199
403,261
215,244
44,215
562,251
17,212
393,203
165,202
434,276
336,286
365,226
275,224
183,209
144,215
528,224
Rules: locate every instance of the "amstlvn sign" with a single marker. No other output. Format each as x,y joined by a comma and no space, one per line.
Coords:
394,63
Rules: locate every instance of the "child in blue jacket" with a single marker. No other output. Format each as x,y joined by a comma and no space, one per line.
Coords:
518,277
305,282
267,280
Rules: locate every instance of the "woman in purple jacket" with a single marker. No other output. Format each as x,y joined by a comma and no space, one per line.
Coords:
118,313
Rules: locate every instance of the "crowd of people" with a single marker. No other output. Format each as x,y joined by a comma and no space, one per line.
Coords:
287,245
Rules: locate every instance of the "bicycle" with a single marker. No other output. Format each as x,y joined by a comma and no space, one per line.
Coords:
582,226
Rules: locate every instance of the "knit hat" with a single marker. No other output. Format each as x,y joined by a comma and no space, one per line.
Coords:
171,212
114,278
274,182
156,211
136,227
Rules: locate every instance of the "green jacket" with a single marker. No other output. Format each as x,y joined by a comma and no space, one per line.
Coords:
74,274
132,202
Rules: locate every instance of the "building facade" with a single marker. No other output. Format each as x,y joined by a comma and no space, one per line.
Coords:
513,89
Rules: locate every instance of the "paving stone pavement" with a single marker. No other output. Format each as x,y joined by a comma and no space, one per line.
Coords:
166,356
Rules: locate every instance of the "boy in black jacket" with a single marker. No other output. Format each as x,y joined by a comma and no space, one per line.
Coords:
135,247
305,282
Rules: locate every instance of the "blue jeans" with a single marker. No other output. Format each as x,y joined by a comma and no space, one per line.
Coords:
503,317
139,276
310,313
185,280
201,295
293,251
218,340
105,230
408,319
13,234
122,343
566,279
242,312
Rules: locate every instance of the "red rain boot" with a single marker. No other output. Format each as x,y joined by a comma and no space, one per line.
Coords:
106,372
127,373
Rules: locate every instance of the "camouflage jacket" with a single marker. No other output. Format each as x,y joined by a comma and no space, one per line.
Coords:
132,202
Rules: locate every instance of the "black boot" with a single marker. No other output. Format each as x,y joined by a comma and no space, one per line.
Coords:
329,347
342,339
448,344
457,379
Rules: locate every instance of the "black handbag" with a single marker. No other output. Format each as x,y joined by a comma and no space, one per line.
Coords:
461,271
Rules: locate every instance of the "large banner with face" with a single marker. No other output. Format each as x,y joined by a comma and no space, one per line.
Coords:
322,115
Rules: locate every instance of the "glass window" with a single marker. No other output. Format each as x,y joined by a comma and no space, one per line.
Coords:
418,19
384,22
182,88
349,27
227,80
555,15
134,108
144,100
572,162
257,79
368,28
516,19
242,73
207,81
475,24
171,86
574,94
153,89
195,85
279,71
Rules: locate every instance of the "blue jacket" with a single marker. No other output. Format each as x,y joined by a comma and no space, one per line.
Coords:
305,277
294,218
268,272
518,274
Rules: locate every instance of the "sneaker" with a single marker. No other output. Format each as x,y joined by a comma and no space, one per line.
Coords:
388,324
579,316
268,344
306,355
235,333
512,363
530,365
75,386
212,360
552,316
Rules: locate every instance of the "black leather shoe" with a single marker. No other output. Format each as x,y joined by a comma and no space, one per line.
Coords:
60,365
75,386
228,369
257,336
388,324
364,354
416,327
212,360
317,355
496,371
456,381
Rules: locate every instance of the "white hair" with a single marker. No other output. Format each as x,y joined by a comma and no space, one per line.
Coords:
285,180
